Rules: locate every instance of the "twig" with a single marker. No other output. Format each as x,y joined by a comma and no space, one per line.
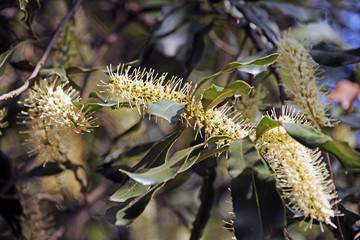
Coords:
75,168
259,47
221,44
336,206
287,235
43,58
241,48
134,12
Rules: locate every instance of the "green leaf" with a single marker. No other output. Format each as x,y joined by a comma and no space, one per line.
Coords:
252,69
180,162
166,109
257,60
129,190
258,208
253,61
54,71
204,154
108,102
207,197
90,107
28,7
264,125
166,171
126,212
348,157
11,209
311,138
242,155
4,57
212,97
348,222
23,65
77,69
252,15
304,15
154,158
333,56
305,134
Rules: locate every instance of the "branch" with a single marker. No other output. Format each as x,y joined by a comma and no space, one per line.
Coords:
43,58
259,47
336,200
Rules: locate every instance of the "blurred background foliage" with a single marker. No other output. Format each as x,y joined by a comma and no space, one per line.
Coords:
189,39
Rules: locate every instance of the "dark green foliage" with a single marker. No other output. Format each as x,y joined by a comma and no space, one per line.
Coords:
258,208
209,43
334,56
10,208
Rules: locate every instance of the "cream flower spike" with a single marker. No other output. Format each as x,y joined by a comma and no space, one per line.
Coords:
50,116
299,69
301,175
53,104
142,87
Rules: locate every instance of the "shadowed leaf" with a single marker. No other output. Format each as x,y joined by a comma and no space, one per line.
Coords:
348,157
258,208
49,169
333,56
242,155
305,134
304,15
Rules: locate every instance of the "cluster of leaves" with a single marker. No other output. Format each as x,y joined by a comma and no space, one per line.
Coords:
185,41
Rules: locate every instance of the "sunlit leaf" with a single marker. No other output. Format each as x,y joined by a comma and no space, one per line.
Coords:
181,161
264,125
154,158
255,60
57,71
212,97
166,109
126,212
108,102
166,171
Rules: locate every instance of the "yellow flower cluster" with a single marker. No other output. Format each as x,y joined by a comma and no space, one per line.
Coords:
302,176
50,116
298,68
141,87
